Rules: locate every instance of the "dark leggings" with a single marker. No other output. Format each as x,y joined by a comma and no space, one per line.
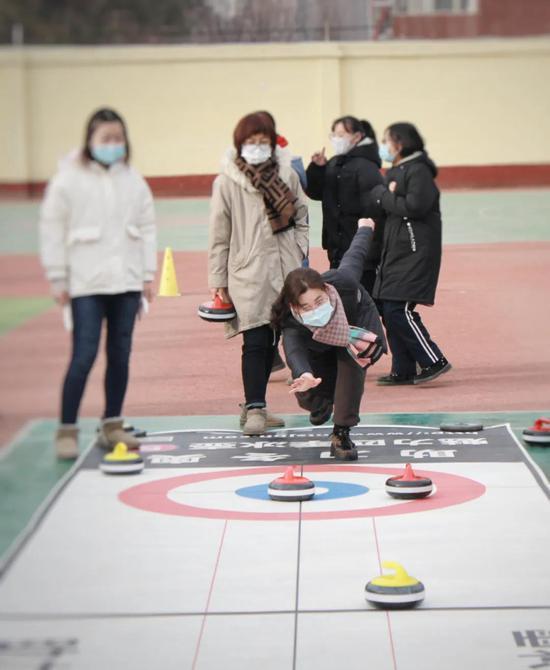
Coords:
88,312
259,345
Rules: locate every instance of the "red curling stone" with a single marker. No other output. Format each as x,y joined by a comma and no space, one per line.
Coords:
216,310
539,433
409,486
291,488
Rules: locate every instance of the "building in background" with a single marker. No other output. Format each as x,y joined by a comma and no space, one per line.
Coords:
436,19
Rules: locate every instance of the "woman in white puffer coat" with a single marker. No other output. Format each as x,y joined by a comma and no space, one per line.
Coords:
98,247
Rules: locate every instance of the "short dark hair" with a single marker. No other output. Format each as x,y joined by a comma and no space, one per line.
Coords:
296,283
103,115
251,124
353,125
407,136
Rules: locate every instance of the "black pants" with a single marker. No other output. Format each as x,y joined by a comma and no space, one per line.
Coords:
408,337
343,384
119,311
259,345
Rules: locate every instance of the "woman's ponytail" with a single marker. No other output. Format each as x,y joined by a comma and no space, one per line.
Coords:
367,129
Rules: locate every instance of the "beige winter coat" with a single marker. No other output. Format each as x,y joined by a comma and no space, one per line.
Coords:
243,253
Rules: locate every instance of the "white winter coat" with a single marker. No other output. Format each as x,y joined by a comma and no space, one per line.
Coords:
243,253
97,229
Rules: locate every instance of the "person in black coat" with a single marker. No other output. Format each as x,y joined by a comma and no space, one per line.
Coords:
411,255
344,185
331,334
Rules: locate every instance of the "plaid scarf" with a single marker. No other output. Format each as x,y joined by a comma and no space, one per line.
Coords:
336,332
278,198
362,345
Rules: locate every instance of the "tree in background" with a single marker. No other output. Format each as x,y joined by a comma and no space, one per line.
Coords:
176,21
99,21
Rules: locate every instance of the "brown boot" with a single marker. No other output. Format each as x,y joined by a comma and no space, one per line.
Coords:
341,446
272,421
112,432
256,421
66,442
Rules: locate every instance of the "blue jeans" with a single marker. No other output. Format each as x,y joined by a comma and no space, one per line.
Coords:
88,312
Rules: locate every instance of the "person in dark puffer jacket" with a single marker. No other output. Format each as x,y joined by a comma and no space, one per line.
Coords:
344,185
411,256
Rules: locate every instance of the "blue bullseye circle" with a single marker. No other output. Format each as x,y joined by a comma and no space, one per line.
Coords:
335,490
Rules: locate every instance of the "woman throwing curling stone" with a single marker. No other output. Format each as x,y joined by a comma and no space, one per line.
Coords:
258,234
98,246
331,334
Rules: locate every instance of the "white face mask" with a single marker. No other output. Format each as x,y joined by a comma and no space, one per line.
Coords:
256,153
341,145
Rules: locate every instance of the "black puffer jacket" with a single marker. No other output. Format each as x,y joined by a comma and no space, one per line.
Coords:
344,186
411,251
358,305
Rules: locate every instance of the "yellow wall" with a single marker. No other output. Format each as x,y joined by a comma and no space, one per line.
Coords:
476,102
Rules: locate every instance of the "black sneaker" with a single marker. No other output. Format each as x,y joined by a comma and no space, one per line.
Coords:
341,446
395,380
433,371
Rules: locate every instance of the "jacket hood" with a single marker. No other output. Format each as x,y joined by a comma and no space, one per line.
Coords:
367,149
421,157
283,157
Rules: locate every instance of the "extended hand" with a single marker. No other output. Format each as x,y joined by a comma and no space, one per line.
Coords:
148,291
304,383
319,157
62,298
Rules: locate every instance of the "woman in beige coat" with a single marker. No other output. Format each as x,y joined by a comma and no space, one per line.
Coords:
258,234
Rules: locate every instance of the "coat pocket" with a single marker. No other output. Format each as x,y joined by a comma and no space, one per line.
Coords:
133,231
84,234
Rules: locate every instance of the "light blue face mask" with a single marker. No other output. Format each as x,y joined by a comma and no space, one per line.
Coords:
385,155
108,153
318,317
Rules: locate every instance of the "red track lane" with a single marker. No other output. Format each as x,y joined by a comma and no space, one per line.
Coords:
491,319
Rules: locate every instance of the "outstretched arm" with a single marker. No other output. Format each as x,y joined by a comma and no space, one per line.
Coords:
353,262
315,175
